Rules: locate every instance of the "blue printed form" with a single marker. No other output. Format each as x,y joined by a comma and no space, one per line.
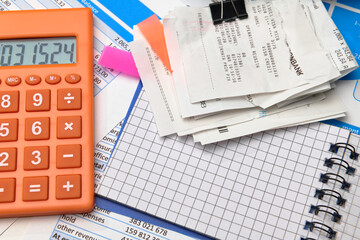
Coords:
346,15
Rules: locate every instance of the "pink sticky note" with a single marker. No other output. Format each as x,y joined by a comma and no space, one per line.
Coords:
118,60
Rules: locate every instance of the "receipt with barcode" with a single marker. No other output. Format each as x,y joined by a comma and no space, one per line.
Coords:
328,108
275,50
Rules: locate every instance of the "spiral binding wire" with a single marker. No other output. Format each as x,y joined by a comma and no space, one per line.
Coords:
318,225
335,214
329,162
335,147
327,176
320,193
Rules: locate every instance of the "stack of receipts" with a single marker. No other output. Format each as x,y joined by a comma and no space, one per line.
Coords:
275,69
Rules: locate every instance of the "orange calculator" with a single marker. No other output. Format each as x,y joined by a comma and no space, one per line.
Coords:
46,112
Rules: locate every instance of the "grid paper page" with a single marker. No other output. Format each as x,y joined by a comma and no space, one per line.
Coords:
255,187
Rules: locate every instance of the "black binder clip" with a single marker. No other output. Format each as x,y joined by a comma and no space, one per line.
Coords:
228,10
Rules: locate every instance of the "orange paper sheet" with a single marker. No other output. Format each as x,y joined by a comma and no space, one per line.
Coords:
153,31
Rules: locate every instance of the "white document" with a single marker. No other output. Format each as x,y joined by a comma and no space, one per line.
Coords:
100,224
159,89
187,108
236,58
330,107
261,54
329,38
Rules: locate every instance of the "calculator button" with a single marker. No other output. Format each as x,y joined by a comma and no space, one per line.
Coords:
33,80
8,159
38,100
9,101
53,79
36,158
69,127
7,190
37,128
13,80
73,78
69,99
8,130
68,156
35,188
68,186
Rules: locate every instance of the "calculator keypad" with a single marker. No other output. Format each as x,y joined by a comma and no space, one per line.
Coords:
69,99
33,122
36,158
68,156
68,186
38,100
53,79
37,128
73,78
13,81
9,101
69,127
8,130
8,158
35,188
7,190
33,80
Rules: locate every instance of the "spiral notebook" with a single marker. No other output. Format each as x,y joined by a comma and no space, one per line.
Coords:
295,183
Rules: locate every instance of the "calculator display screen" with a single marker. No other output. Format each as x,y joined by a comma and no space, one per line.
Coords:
37,51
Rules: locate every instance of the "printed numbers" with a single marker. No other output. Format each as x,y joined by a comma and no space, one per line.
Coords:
146,226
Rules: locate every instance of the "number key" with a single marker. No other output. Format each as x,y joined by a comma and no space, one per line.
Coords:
9,101
37,128
38,100
36,158
8,159
8,130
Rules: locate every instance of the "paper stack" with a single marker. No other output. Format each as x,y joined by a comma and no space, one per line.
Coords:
274,69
